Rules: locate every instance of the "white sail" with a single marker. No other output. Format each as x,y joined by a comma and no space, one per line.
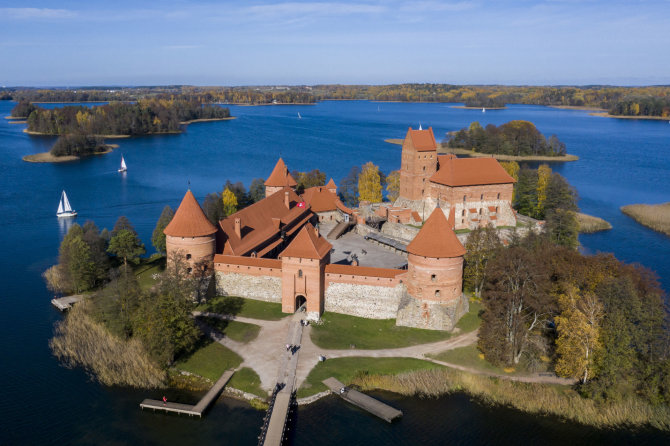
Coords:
60,205
123,163
66,203
299,117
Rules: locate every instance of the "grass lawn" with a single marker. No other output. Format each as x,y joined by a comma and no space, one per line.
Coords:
471,357
470,320
239,306
146,269
339,331
247,380
237,331
210,361
344,369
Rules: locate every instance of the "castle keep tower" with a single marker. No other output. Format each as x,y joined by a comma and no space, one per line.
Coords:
418,163
190,233
434,279
279,179
302,264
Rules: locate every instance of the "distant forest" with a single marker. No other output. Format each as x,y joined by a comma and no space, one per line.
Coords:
143,117
632,101
518,138
78,145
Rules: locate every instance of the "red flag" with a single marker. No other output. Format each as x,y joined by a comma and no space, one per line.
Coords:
301,204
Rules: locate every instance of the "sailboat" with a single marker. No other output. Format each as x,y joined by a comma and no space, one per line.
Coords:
483,110
64,208
299,117
123,165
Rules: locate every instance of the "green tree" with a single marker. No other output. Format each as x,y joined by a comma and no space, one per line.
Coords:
369,184
123,223
560,194
241,195
80,266
97,243
563,228
127,246
393,186
480,247
229,201
158,237
309,179
526,192
213,208
257,190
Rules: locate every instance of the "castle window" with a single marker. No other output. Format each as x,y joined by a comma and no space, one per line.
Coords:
463,213
299,273
437,293
188,270
433,277
465,198
188,256
498,196
496,209
481,197
424,168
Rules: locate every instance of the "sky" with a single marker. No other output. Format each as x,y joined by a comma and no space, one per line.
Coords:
199,42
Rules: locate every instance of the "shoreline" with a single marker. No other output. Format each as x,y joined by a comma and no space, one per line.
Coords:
577,107
652,216
589,224
651,118
33,133
193,121
465,107
10,117
500,157
47,157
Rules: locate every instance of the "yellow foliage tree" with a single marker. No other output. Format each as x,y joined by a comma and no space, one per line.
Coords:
229,202
393,185
369,184
578,328
543,177
512,169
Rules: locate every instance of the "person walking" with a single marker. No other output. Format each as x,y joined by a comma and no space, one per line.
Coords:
164,401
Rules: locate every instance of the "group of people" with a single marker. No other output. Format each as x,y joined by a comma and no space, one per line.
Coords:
304,322
292,348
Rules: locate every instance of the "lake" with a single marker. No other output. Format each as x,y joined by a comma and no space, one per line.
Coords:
621,162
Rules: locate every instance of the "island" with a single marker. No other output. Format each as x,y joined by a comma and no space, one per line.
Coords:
654,216
72,148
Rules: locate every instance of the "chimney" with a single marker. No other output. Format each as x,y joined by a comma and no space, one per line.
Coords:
276,222
316,231
238,227
287,201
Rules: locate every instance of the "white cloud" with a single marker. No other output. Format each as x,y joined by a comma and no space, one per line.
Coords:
36,13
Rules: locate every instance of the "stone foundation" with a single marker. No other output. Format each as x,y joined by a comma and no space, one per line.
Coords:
430,315
264,288
369,301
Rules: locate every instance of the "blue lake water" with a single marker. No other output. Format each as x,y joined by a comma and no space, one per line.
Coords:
621,162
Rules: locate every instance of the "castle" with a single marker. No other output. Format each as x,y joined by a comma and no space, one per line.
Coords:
273,250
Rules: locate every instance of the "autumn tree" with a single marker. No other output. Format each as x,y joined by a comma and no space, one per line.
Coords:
309,179
578,326
369,184
543,178
126,245
158,237
512,169
517,306
241,195
480,247
393,186
229,201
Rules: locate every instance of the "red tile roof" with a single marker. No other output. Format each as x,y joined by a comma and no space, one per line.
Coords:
280,176
422,140
257,226
189,220
331,184
247,261
436,238
352,270
454,171
307,245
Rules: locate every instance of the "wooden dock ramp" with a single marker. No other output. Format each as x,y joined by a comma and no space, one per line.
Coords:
65,303
188,409
365,402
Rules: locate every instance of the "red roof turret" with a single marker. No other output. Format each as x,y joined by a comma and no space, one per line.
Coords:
189,220
280,176
436,238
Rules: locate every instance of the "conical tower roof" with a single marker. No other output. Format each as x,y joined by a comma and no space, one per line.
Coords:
307,245
280,176
189,220
436,238
331,184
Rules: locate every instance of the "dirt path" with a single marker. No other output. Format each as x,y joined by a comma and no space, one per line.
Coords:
264,353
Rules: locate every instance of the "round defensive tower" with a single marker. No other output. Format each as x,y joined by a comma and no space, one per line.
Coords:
190,233
434,278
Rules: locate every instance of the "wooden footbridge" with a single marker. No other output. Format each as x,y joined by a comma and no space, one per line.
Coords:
187,409
273,431
365,402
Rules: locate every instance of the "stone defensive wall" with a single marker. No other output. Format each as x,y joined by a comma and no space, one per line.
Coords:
363,291
248,277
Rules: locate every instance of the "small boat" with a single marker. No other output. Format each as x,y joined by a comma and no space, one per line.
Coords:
123,165
299,117
64,208
483,110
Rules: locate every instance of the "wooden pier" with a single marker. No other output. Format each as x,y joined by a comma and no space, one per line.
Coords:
187,409
65,303
365,402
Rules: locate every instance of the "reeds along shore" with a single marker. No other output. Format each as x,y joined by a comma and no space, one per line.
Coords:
654,216
589,224
528,397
